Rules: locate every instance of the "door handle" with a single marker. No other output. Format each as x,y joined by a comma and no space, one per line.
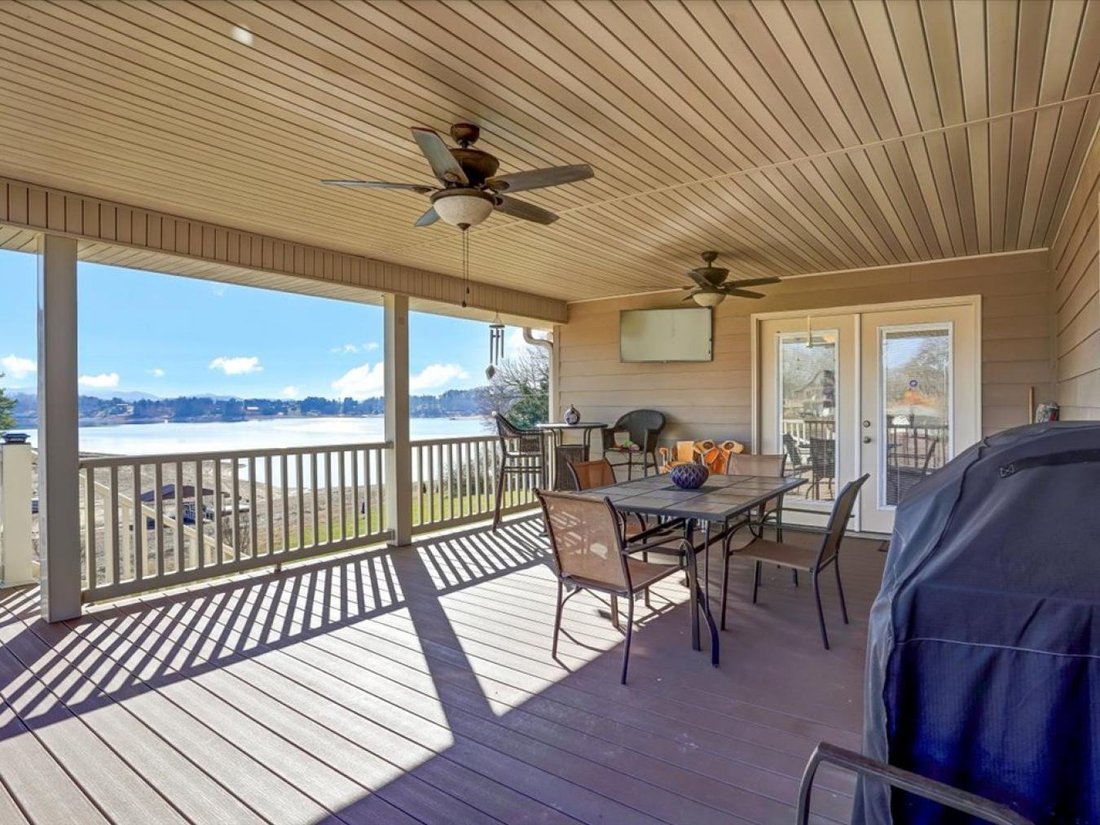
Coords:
866,439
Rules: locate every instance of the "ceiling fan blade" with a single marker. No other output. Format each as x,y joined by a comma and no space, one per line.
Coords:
539,178
379,184
742,293
690,296
752,282
443,163
428,218
526,211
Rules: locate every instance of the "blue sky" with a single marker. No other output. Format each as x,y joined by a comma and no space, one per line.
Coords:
167,335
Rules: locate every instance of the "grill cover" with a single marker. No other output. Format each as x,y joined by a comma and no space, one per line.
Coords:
983,660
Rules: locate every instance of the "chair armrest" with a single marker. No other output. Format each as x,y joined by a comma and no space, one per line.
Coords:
914,783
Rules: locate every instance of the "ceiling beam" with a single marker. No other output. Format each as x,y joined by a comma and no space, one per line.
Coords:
44,209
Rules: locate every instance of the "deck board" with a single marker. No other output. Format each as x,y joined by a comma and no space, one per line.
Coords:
416,686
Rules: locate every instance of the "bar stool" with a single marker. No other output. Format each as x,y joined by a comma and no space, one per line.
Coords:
523,453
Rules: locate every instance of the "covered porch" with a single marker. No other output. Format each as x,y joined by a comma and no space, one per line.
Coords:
332,634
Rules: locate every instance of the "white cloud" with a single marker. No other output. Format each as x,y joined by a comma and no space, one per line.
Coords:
361,382
514,343
369,380
16,367
236,365
346,349
157,372
103,381
435,376
290,391
371,346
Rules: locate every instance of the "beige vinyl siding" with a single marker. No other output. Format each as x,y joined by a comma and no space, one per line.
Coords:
1075,259
713,399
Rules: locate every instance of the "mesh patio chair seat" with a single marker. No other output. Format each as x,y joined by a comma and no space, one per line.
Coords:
643,428
771,511
522,453
590,554
801,558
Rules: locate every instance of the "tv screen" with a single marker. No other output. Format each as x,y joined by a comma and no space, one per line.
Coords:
678,334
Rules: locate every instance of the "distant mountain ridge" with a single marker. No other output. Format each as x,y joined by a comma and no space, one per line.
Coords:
142,408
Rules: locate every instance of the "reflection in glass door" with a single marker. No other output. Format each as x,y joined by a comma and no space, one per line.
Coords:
915,363
807,374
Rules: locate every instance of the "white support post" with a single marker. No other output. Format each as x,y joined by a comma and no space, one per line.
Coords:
16,550
399,456
58,456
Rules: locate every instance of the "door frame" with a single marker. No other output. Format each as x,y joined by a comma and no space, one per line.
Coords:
756,320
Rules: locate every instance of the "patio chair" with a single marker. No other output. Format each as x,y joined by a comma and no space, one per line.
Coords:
794,456
822,464
522,453
771,466
590,554
804,558
643,428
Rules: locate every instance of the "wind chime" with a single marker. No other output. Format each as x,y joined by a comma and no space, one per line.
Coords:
496,346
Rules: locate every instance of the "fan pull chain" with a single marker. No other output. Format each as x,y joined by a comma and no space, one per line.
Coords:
465,263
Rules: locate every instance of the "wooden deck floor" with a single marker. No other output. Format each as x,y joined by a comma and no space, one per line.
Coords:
417,686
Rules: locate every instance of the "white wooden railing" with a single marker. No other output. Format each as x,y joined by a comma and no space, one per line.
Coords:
149,522
455,482
795,427
157,521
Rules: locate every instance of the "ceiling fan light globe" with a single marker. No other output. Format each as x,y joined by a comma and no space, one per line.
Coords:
463,210
708,299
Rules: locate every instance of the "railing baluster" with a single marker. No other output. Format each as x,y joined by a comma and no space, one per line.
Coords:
219,516
158,515
200,514
235,482
182,560
269,516
313,496
328,497
342,495
284,486
355,490
299,464
91,570
112,526
253,543
138,523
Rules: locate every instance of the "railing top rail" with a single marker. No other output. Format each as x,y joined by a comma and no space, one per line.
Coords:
446,439
96,462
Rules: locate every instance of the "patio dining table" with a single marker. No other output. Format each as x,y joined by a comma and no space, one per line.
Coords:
720,502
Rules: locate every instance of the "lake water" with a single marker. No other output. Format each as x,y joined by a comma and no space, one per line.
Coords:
172,437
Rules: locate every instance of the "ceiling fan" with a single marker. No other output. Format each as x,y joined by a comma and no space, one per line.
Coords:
471,188
711,287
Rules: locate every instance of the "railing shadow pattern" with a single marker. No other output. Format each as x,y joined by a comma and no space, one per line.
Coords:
418,684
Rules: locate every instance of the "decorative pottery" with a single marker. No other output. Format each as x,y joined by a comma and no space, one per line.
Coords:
572,415
690,476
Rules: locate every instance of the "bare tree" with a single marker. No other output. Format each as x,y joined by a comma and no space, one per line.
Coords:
520,388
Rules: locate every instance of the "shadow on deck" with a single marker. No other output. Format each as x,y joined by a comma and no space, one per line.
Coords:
417,685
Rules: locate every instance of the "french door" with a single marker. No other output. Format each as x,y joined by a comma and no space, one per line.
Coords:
889,392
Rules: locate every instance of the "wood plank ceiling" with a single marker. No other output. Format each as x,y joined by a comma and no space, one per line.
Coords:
796,137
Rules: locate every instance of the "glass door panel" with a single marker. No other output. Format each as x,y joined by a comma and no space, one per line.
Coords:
915,364
808,367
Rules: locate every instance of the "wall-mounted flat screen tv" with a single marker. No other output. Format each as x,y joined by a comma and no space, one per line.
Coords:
678,334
